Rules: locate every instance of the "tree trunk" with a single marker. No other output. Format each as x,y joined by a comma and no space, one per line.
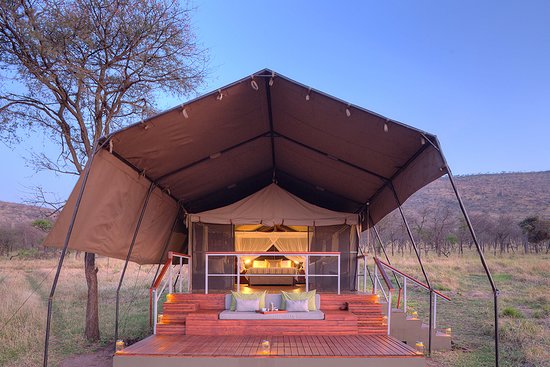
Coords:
92,310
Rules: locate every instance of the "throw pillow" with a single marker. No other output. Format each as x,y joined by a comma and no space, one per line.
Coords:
258,295
299,306
247,305
309,296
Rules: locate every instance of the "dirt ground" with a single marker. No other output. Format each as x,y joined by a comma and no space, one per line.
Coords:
101,358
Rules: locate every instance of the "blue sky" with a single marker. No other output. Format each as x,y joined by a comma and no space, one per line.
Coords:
475,73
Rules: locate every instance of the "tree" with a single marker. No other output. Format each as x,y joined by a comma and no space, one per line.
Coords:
536,229
77,69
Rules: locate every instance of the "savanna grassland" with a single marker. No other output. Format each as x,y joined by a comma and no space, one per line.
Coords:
22,338
524,282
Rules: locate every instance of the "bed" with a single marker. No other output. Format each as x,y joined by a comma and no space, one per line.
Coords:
272,272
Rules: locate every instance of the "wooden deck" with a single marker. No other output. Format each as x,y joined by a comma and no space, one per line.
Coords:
350,350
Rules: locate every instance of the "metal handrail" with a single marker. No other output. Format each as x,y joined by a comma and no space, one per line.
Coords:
423,285
155,293
389,285
366,272
238,256
433,316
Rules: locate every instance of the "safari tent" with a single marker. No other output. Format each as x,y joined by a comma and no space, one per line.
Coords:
262,168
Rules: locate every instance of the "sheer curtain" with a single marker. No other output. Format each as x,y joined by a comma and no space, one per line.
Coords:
262,241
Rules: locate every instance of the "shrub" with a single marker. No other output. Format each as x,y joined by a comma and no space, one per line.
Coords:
512,312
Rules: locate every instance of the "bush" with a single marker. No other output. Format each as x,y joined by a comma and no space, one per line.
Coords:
512,312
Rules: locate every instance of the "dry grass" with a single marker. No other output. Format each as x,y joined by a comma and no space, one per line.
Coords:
524,282
22,339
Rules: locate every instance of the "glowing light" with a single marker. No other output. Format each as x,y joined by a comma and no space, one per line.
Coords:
247,261
120,346
419,347
265,347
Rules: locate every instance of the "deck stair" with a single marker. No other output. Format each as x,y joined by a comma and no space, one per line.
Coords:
345,314
409,330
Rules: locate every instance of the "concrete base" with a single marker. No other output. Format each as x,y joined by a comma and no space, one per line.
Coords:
171,361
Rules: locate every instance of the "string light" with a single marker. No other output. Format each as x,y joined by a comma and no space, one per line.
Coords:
422,141
348,112
385,127
272,79
220,95
184,113
307,95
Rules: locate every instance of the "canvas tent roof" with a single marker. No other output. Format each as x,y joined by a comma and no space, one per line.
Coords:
226,145
271,206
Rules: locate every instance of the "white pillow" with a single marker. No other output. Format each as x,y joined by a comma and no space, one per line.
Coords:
247,305
299,306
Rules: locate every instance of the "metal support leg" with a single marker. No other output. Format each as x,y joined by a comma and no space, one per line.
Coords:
430,328
138,225
479,251
85,176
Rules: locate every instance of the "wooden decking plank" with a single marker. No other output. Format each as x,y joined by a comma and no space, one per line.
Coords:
289,346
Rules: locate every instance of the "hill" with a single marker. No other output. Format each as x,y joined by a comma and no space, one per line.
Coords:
12,214
516,195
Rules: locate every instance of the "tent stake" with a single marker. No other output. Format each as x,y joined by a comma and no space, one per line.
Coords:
479,251
413,242
65,246
138,225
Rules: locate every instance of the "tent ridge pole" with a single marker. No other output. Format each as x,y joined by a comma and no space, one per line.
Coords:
192,164
339,160
271,131
134,237
480,253
86,174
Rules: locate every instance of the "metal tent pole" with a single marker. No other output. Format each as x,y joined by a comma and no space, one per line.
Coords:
65,246
377,234
138,225
160,260
413,242
479,251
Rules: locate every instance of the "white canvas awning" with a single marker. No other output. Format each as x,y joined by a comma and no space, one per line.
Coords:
272,205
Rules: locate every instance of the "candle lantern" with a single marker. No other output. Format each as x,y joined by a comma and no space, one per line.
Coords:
419,347
265,347
119,346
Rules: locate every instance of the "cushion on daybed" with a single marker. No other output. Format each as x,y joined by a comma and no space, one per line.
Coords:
276,298
232,315
297,305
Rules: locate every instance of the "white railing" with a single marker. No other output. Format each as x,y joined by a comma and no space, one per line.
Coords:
377,285
433,293
175,276
239,255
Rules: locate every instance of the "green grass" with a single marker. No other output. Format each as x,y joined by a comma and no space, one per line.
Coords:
512,312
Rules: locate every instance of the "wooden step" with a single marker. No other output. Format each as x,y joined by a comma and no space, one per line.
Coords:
171,329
